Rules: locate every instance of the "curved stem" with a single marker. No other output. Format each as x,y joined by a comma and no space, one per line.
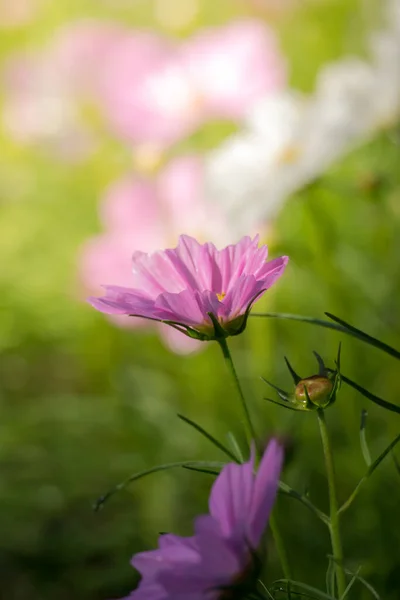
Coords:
228,360
334,513
252,436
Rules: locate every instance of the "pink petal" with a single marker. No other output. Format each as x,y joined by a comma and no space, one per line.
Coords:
231,497
264,492
150,563
187,307
156,273
219,561
124,301
236,302
231,260
272,270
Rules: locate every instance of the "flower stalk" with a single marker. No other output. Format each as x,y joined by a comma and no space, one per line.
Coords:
252,436
334,528
251,433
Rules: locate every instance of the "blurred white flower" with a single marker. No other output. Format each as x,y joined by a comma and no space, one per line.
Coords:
290,139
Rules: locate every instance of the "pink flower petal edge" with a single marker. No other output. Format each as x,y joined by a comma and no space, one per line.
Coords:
185,284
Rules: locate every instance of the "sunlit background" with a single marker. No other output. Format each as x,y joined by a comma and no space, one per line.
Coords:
123,124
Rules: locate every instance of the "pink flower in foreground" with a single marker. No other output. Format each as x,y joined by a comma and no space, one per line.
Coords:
220,560
157,92
142,214
201,291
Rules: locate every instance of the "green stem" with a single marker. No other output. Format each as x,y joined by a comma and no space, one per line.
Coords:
280,546
334,513
228,359
252,435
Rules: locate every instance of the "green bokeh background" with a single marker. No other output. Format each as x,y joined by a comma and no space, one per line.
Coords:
84,404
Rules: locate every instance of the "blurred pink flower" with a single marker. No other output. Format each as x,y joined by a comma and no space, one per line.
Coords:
146,93
139,214
158,92
234,66
203,292
43,89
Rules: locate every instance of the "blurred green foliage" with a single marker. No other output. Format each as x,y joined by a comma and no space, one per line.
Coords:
84,404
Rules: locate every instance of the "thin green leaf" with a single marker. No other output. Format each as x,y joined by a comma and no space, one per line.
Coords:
368,474
396,462
370,396
363,440
266,590
360,579
330,578
284,404
286,489
365,337
136,476
210,437
365,583
350,585
345,328
317,594
199,470
236,448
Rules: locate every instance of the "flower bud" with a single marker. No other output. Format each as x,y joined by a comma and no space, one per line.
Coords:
315,389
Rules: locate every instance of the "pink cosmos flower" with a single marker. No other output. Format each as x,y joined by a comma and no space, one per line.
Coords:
220,559
142,214
199,290
157,92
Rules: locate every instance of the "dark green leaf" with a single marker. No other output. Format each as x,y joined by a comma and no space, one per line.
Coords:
365,337
379,401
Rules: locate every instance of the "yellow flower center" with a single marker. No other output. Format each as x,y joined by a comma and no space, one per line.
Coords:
221,296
